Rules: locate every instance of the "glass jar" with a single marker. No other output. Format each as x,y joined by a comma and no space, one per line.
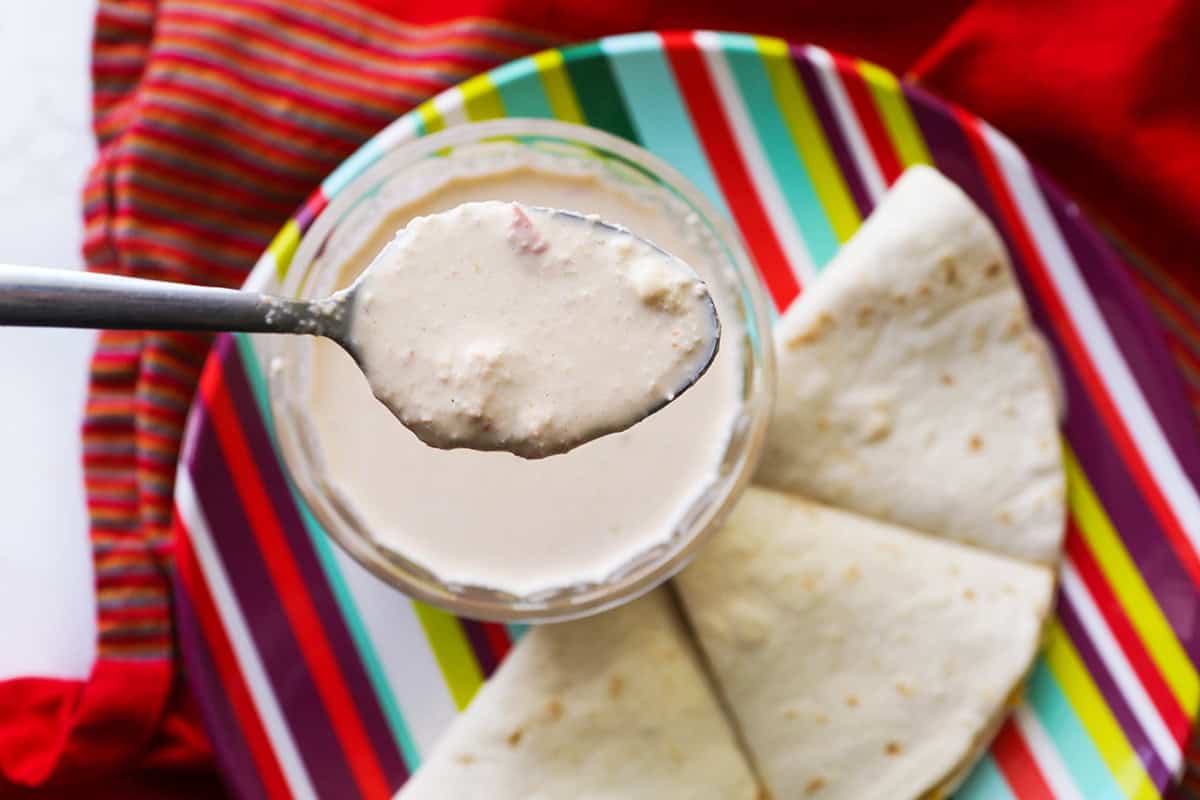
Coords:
349,230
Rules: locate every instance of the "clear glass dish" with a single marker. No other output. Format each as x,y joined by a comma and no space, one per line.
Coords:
343,232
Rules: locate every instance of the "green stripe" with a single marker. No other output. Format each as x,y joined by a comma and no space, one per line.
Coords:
341,591
795,182
596,88
521,89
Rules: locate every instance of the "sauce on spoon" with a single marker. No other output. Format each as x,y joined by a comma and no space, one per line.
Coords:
500,326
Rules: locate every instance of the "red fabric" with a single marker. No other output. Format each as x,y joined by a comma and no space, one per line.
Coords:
1101,94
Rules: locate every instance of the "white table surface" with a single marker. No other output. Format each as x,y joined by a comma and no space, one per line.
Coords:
47,603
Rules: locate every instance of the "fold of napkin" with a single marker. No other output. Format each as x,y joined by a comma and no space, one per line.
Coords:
215,119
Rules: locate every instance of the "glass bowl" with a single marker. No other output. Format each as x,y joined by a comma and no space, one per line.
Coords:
345,232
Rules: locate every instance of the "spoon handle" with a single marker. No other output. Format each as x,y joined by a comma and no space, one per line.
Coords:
43,297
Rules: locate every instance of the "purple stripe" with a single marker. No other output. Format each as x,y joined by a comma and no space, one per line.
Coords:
293,685
1138,740
480,645
1098,455
1136,331
235,762
303,553
833,132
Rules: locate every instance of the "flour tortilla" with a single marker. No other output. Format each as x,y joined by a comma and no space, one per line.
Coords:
912,386
614,706
860,660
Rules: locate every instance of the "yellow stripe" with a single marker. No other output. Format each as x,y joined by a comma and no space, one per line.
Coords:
283,247
557,86
1097,719
805,128
452,651
897,117
431,118
1127,584
481,99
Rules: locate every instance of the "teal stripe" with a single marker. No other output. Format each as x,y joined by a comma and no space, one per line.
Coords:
516,631
659,115
796,184
521,90
341,591
1062,725
984,783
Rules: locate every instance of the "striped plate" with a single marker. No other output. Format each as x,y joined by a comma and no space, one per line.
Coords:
317,681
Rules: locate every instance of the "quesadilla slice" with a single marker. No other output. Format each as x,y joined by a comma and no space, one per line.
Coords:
614,706
913,387
859,659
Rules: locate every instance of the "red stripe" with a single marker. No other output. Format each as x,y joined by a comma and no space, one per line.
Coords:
705,109
498,640
1071,341
1016,764
1122,629
293,594
868,116
221,653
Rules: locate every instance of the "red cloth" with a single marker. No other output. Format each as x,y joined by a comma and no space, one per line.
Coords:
1098,93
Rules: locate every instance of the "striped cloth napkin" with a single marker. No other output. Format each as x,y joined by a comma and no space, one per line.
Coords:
215,118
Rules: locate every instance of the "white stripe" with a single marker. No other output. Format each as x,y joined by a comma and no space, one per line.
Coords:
1119,668
244,652
782,220
1098,341
452,106
864,158
413,675
1045,754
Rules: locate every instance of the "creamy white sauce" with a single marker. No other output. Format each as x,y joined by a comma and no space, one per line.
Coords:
488,518
499,326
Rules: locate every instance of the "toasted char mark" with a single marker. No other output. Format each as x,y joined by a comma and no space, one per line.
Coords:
892,748
814,786
975,443
820,325
554,710
514,738
947,379
615,685
993,270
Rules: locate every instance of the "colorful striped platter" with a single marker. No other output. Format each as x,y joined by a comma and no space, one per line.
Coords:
318,681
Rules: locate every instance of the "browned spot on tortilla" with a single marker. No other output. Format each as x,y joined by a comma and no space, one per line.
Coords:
865,315
993,269
924,291
514,738
554,709
1015,327
821,324
904,689
949,271
852,700
762,794
465,758
791,713
809,581
1004,517
820,719
615,684
975,442
823,423
968,594
814,786
947,379
900,299
892,748
853,573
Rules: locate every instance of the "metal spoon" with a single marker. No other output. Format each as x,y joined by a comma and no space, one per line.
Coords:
47,297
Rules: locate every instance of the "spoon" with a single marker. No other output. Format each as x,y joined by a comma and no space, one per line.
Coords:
45,297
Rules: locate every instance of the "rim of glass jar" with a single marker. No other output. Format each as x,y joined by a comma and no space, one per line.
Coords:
337,519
